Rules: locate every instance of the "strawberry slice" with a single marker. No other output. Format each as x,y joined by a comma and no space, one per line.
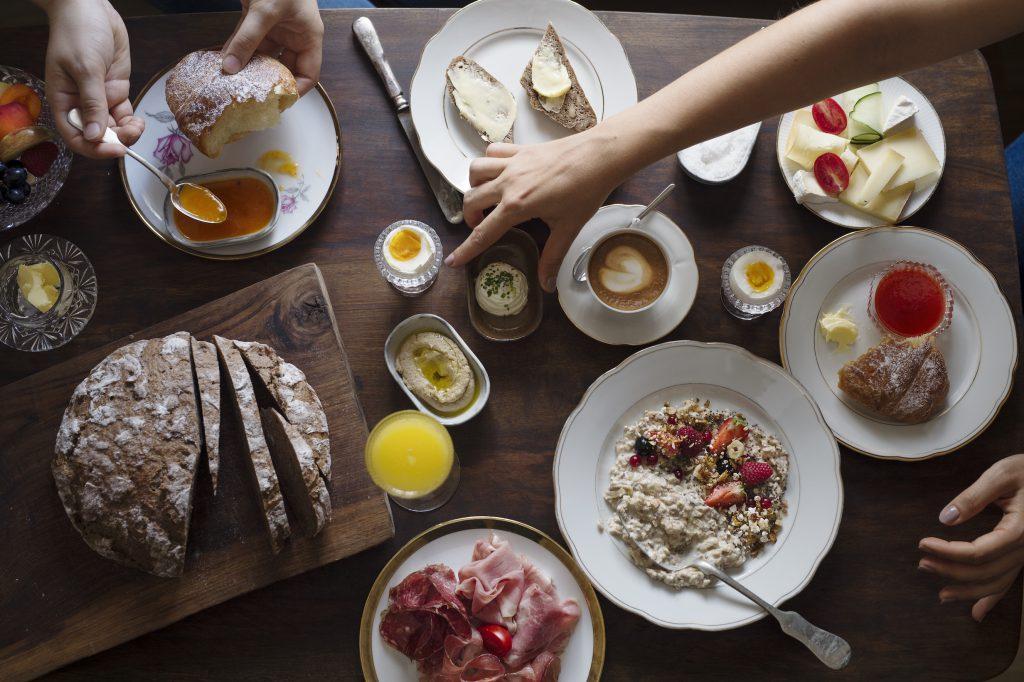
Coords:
831,173
733,428
726,495
38,159
829,116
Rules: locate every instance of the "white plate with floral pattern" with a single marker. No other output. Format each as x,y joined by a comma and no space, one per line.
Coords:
308,132
733,379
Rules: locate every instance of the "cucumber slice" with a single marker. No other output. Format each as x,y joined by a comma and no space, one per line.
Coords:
850,97
866,138
868,111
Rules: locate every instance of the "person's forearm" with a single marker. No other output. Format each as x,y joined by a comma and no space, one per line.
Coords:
821,50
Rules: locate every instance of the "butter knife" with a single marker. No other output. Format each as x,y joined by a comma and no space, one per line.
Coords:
448,198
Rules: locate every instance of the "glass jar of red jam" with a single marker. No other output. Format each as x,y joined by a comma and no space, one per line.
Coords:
910,299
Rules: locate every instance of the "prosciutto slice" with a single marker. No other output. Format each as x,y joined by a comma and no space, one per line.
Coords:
493,582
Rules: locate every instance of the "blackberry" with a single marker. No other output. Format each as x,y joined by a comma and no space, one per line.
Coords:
644,447
723,464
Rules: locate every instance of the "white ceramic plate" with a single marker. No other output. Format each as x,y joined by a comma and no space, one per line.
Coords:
732,379
308,131
432,323
980,345
451,543
501,35
926,120
633,329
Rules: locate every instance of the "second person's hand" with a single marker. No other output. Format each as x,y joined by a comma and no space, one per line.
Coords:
290,30
562,182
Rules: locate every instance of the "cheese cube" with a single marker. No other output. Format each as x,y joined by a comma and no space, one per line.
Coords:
806,144
919,161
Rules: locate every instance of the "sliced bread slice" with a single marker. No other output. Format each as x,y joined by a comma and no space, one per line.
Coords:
305,494
207,378
264,477
573,110
481,99
293,396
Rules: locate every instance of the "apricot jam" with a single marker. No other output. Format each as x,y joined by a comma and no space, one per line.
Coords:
250,206
199,201
910,300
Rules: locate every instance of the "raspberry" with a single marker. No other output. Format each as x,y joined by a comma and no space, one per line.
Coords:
692,441
756,472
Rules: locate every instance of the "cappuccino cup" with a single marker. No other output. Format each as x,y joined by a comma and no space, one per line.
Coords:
628,271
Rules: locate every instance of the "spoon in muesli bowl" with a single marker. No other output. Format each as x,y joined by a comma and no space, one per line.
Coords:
832,650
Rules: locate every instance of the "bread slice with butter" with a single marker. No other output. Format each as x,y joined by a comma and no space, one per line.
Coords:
481,100
552,87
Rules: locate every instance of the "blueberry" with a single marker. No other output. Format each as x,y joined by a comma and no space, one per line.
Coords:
723,464
15,175
644,447
16,195
3,168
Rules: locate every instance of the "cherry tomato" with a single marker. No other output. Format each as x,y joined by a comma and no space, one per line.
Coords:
831,173
497,639
829,116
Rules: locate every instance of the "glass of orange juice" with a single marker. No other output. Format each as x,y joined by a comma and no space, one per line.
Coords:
411,456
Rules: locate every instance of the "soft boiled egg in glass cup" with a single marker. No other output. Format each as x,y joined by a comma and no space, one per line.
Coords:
408,255
755,280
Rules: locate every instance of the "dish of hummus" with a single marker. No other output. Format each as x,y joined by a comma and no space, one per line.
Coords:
690,481
436,370
501,289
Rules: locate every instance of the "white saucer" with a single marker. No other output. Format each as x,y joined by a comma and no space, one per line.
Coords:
980,345
630,329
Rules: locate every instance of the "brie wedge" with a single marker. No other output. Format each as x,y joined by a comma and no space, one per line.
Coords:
807,190
900,115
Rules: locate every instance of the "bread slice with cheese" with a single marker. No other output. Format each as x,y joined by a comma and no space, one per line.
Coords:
481,100
550,71
264,477
305,494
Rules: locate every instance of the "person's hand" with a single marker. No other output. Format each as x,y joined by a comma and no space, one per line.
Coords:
562,182
290,30
984,569
87,66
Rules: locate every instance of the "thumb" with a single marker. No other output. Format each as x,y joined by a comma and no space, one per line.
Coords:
551,259
255,25
92,99
995,482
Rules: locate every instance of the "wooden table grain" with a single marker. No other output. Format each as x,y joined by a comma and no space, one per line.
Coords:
867,589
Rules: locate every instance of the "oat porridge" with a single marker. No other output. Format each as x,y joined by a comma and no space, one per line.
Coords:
692,480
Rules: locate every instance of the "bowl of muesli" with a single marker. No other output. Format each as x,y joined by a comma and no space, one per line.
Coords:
697,451
692,481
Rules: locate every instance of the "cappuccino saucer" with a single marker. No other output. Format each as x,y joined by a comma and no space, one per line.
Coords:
630,329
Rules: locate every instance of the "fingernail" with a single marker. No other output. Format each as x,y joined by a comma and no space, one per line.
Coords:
449,259
926,567
945,600
949,515
92,131
549,284
231,64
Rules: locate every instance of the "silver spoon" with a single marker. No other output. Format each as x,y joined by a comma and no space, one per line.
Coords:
832,650
75,119
579,268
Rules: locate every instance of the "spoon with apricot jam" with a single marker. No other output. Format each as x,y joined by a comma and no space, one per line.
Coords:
193,200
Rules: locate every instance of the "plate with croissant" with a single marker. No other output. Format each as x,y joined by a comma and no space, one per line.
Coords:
904,339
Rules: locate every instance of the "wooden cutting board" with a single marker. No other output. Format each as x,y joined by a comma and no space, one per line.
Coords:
60,601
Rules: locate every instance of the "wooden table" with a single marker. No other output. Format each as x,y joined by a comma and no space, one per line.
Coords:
868,588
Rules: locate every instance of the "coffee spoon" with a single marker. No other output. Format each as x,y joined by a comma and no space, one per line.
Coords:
832,650
200,193
579,268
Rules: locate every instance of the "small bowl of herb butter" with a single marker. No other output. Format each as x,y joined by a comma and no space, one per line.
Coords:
503,293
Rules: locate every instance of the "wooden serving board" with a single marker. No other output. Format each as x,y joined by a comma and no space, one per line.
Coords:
60,601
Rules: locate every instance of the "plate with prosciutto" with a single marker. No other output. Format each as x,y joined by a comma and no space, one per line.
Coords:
903,338
687,451
482,599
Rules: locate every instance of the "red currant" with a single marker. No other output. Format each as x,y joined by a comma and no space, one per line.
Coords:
766,503
634,461
652,459
678,473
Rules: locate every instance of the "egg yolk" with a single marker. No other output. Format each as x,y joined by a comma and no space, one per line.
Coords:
277,161
759,276
405,245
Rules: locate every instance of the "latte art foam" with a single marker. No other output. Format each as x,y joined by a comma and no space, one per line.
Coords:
625,270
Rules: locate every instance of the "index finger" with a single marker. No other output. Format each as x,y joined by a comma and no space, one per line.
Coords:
992,545
61,104
497,223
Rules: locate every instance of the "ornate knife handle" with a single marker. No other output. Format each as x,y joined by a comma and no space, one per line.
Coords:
367,35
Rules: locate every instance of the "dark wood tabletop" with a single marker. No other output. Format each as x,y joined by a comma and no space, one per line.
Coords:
867,589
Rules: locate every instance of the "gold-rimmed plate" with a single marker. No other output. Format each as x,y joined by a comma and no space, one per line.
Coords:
980,346
451,543
308,132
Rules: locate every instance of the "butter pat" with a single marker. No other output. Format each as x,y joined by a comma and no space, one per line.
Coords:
39,285
839,328
550,77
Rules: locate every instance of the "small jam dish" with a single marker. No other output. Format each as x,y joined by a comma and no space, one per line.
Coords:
432,323
222,176
517,249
